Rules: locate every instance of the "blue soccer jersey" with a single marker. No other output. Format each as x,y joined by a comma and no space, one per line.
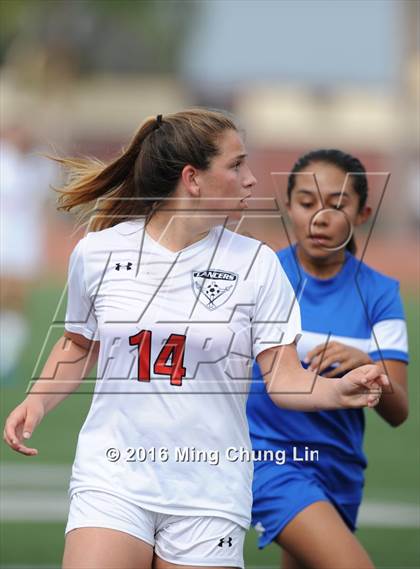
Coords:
358,307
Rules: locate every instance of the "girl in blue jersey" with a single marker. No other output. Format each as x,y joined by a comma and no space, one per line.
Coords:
351,315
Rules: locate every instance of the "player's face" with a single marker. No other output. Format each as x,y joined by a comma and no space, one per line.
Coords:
323,212
228,181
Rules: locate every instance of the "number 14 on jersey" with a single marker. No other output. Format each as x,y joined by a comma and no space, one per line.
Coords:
172,350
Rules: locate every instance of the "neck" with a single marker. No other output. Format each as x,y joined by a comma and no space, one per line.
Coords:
323,268
177,231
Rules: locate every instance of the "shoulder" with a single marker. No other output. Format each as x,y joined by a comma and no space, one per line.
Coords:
290,264
111,238
286,254
260,259
93,251
236,241
246,244
380,293
376,283
287,258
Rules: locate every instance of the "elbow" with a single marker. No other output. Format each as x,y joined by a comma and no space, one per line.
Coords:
277,399
399,418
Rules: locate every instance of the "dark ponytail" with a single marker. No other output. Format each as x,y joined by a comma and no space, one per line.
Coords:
148,170
347,163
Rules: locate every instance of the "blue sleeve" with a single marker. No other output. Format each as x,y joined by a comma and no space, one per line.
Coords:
388,304
389,330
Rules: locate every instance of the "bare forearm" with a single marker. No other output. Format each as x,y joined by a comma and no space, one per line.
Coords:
67,365
393,406
302,390
290,386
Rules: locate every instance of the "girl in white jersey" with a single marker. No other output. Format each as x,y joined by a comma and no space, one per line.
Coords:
173,307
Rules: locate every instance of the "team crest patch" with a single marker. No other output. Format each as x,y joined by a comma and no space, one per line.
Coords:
213,287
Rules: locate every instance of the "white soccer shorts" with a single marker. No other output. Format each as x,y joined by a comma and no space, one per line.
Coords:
184,540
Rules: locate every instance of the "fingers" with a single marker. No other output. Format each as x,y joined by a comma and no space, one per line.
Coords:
338,371
8,440
332,354
366,399
371,371
29,426
374,378
374,394
367,382
22,449
12,434
326,355
15,444
384,380
314,352
373,399
326,362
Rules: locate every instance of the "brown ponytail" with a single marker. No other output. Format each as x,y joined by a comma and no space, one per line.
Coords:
135,183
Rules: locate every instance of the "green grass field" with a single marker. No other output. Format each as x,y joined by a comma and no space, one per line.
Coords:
393,474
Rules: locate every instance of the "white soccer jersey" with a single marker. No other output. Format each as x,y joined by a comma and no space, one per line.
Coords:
178,333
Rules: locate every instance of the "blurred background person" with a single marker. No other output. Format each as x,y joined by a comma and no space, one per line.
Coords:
25,179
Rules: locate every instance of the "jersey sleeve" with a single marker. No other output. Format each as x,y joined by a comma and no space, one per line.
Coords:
276,316
389,331
80,316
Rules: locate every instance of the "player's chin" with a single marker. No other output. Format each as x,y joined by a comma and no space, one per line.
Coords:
316,251
235,215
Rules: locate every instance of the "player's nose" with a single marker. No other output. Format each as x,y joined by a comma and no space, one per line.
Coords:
250,180
322,218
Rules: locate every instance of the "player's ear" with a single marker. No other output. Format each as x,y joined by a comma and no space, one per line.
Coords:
190,180
363,215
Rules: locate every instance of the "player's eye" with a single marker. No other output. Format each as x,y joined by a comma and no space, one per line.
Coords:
338,206
237,164
306,205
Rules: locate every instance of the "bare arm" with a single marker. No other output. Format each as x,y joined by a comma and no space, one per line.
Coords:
71,359
393,406
292,387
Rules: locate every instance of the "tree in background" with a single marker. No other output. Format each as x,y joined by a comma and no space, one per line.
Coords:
41,38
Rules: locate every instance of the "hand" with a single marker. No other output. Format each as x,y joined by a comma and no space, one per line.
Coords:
21,423
361,387
324,355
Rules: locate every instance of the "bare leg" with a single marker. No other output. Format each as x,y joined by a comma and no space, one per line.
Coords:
317,538
102,548
289,562
159,563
